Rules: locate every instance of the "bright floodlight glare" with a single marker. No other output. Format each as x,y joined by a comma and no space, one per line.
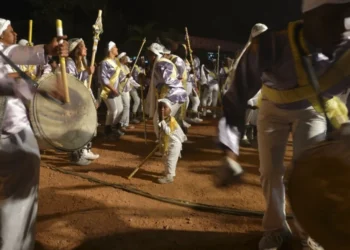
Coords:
258,29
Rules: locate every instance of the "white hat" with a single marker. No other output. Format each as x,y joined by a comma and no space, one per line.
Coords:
166,102
166,51
313,4
73,43
23,42
128,59
156,48
3,25
121,55
111,45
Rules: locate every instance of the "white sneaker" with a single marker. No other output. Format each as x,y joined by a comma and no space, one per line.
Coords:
228,173
214,115
310,244
274,240
89,155
196,120
166,179
209,111
186,124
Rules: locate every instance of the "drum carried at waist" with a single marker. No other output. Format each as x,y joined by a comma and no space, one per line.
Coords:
63,126
319,192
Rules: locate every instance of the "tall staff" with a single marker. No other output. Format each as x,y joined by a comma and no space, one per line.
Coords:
59,29
191,58
98,30
218,62
30,34
256,30
142,101
218,72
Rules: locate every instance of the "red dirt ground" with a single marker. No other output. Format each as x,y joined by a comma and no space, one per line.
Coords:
77,214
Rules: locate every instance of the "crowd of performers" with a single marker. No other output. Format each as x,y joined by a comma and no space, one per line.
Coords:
270,76
193,96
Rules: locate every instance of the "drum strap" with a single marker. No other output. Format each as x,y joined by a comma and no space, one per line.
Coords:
3,99
3,102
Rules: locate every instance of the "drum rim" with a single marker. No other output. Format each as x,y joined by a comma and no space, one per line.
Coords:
44,136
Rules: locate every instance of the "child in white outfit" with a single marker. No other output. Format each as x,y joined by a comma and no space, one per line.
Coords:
171,139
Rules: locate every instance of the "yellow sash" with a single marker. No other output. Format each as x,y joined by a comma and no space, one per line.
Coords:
105,90
30,69
122,84
184,74
172,123
226,70
335,108
212,74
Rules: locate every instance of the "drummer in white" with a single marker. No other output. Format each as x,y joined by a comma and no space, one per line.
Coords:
19,152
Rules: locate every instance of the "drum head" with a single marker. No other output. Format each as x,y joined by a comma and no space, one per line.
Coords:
319,192
68,126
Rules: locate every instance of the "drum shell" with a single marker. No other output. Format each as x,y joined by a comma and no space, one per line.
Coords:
66,127
319,193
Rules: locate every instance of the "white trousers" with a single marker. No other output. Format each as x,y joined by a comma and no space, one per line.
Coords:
171,158
210,92
274,124
252,117
19,175
194,98
135,97
125,117
114,110
174,109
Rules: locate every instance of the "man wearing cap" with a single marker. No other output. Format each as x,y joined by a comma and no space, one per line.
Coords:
183,76
19,151
274,63
171,137
192,87
139,74
125,86
109,78
164,84
210,82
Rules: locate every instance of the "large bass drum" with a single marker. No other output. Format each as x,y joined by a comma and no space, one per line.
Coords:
63,126
319,193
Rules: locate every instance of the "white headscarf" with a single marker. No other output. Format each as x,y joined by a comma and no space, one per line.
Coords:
156,48
313,4
166,51
73,43
23,42
166,102
111,45
3,25
121,55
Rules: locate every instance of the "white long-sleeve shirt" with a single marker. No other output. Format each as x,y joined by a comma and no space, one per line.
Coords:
15,117
172,130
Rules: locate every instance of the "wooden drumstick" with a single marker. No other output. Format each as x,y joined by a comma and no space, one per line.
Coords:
59,29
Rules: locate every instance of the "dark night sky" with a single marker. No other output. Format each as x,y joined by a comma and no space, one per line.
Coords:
223,19
226,19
